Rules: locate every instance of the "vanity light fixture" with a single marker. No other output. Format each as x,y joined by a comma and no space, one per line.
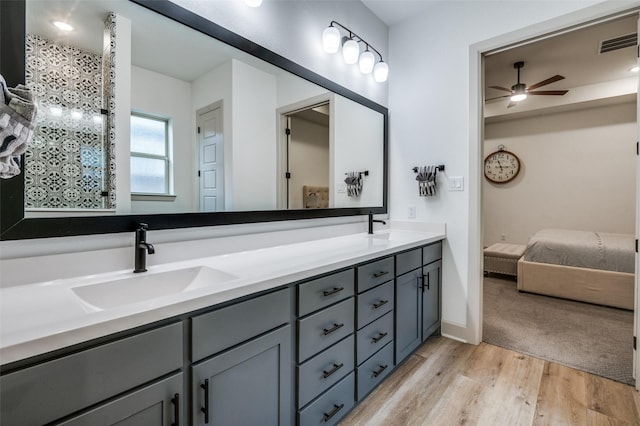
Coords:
332,39
62,26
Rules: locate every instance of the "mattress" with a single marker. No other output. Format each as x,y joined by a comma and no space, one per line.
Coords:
583,249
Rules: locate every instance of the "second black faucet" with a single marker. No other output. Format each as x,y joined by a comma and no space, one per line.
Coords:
142,248
371,220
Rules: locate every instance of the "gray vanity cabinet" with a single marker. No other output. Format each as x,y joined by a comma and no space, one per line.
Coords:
247,385
109,378
242,370
417,297
325,377
374,320
159,404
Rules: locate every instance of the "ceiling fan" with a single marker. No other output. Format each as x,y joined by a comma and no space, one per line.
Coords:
519,91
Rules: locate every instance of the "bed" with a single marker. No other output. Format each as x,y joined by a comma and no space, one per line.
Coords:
591,267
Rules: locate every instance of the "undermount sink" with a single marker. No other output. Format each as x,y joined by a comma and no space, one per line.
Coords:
147,286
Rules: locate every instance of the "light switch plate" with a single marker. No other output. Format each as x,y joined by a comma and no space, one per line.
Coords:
456,183
342,188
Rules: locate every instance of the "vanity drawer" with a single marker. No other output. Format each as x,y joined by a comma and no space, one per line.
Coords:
321,292
431,253
221,329
330,407
374,370
51,390
325,369
408,261
322,329
374,303
374,273
374,336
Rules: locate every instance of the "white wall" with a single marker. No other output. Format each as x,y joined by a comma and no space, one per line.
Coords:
429,101
358,135
254,138
578,172
167,97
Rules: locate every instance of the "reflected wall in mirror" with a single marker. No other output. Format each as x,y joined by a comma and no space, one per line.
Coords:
197,129
241,97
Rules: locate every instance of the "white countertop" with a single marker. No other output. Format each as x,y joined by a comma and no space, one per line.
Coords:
42,317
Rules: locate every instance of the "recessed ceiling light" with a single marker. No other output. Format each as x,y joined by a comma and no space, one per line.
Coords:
253,3
63,26
635,69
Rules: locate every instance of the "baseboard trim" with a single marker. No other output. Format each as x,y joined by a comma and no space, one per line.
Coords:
456,332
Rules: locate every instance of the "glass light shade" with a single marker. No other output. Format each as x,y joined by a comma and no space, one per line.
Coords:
381,72
253,3
635,69
366,62
519,97
351,51
331,39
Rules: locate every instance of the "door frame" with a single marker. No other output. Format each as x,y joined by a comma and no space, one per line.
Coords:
282,114
600,12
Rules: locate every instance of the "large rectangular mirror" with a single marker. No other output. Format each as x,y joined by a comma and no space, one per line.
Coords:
148,112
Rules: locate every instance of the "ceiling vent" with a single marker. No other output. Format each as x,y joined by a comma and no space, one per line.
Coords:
629,40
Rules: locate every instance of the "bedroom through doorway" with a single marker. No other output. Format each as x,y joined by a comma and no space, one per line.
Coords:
572,186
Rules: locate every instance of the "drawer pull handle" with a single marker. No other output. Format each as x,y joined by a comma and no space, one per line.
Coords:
335,368
380,304
332,329
380,274
378,338
333,412
379,371
332,291
205,409
176,410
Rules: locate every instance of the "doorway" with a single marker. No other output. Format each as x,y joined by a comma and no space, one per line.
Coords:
479,134
305,168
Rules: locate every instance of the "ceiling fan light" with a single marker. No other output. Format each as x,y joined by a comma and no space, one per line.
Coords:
635,69
331,39
381,72
351,51
519,97
366,62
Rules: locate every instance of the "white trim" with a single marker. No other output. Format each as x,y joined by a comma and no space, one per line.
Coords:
589,15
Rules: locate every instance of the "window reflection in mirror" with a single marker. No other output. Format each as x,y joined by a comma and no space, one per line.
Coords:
226,114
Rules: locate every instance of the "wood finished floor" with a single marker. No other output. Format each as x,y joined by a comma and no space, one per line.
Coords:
446,382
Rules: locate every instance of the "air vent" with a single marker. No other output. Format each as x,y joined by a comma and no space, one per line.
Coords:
629,40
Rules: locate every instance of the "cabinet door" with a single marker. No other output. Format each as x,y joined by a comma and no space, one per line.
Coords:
408,314
431,298
248,385
160,404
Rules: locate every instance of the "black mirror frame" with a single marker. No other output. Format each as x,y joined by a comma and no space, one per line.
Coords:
13,224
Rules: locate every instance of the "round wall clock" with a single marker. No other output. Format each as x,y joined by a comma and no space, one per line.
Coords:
501,166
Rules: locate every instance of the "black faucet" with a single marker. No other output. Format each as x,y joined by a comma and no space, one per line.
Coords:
142,247
371,220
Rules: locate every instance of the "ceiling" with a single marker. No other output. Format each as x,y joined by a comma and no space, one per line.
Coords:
574,55
393,11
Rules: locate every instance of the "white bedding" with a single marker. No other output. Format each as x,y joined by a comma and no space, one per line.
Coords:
583,249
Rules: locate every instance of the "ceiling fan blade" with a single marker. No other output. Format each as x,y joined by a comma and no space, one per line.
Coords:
545,82
500,88
549,92
512,104
497,97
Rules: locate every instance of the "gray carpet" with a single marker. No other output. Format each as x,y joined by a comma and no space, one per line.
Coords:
591,338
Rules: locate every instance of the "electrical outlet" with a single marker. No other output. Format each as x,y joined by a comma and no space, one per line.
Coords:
503,237
456,183
342,188
411,212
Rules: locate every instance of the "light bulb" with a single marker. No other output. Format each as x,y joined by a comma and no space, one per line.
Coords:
366,62
519,97
253,3
635,69
62,26
350,51
76,115
381,72
331,39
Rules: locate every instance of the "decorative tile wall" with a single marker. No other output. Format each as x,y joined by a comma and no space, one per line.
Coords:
65,162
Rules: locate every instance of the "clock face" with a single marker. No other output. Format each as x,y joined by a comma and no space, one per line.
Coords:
501,166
